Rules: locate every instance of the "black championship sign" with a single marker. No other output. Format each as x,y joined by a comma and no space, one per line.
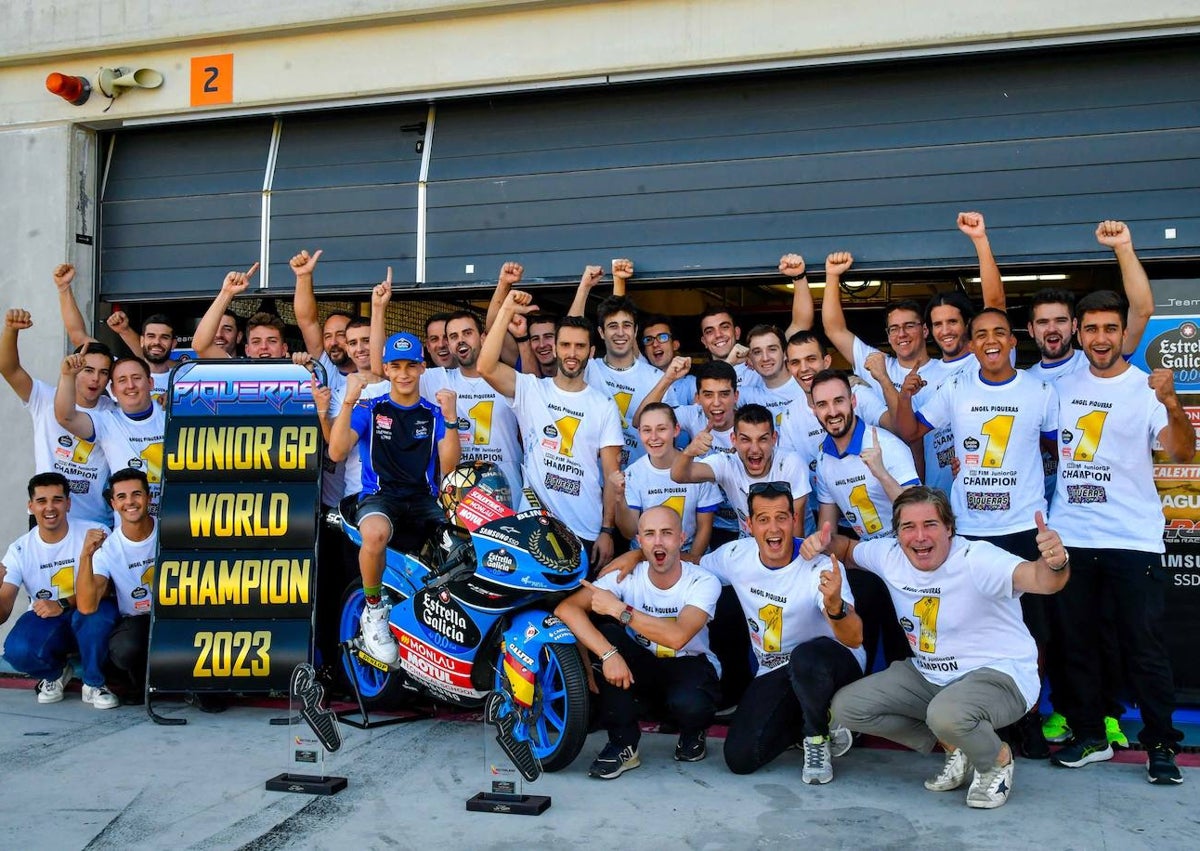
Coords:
238,521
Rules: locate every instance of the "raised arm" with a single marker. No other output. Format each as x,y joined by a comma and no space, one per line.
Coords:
77,422
622,271
64,275
118,323
89,588
685,468
381,296
449,447
989,273
908,427
833,319
849,629
1178,437
304,302
501,376
676,369
625,518
235,284
803,312
15,321
510,275
1116,235
591,276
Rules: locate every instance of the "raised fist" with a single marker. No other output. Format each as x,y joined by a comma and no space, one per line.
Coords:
511,273
92,541
118,322
837,264
235,283
972,225
791,265
592,276
64,274
1113,234
18,319
622,269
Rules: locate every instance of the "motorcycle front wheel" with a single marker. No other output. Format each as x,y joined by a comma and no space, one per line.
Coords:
379,689
557,723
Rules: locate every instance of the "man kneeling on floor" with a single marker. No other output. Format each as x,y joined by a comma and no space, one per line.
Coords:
652,641
975,668
43,561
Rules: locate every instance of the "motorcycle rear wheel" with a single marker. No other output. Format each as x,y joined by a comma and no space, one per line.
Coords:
379,689
561,706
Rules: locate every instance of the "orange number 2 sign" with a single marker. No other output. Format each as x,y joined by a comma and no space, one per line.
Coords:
212,79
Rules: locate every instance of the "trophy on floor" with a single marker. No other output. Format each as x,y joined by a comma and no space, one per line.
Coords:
312,731
508,765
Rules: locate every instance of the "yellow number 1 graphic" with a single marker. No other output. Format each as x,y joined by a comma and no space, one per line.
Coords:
997,431
926,611
861,500
772,621
481,415
623,399
1091,425
567,426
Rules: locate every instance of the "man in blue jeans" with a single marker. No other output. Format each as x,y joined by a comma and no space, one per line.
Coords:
43,561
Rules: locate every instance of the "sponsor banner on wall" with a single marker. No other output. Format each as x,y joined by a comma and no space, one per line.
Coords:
1172,341
238,525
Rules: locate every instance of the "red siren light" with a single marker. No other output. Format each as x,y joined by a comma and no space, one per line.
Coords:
75,90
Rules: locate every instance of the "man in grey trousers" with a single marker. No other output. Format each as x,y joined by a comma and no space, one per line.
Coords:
975,663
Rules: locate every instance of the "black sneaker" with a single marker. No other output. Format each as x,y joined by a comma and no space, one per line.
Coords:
691,747
1161,769
1031,742
614,761
1080,752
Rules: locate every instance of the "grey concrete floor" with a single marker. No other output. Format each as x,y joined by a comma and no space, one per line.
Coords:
75,777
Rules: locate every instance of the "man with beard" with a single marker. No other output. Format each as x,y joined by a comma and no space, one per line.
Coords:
571,431
123,562
487,426
999,418
756,459
1109,512
1052,326
43,562
130,434
154,346
264,331
651,637
660,347
55,448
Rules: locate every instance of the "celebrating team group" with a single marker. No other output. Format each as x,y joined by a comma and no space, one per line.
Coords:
760,527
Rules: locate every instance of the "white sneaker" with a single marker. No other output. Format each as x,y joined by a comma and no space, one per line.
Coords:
818,765
991,788
954,773
377,638
100,697
840,741
51,691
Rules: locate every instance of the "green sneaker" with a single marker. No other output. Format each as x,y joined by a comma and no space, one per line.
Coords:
1055,728
1112,730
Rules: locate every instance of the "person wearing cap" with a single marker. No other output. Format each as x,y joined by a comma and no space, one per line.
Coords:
405,447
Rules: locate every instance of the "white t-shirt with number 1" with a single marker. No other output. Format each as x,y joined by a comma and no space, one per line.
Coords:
695,587
783,606
46,571
129,567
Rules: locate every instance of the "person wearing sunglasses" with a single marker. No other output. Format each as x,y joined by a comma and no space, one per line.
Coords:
660,346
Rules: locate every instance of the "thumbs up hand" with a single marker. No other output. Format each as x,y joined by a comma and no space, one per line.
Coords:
1050,545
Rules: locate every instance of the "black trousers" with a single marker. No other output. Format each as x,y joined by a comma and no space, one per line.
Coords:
781,707
1131,585
684,687
127,648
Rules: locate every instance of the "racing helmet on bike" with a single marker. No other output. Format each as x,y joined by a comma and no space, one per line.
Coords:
484,477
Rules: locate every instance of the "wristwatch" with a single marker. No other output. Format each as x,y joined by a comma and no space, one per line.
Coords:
626,616
839,615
